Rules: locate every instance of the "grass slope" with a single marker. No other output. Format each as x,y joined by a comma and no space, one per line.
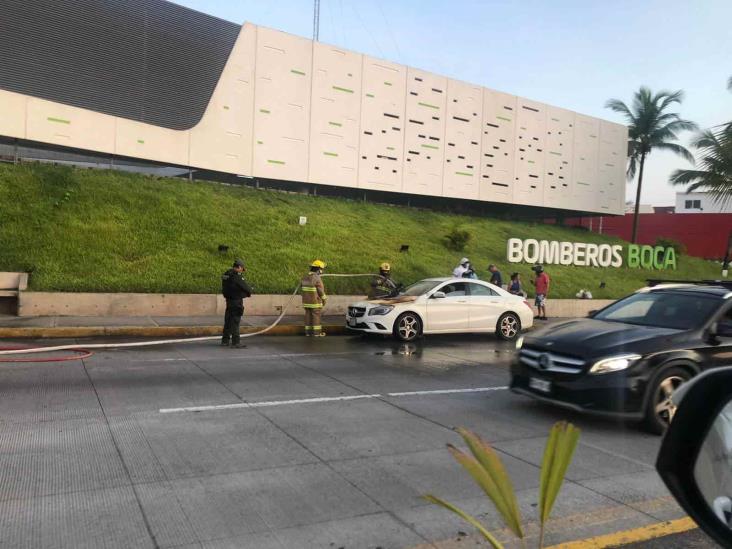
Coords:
90,230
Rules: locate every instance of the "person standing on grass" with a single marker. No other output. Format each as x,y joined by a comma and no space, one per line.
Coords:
235,289
541,282
496,277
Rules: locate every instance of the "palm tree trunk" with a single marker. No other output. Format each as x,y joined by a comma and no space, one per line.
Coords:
634,238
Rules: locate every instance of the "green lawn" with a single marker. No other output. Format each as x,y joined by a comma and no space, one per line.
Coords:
92,230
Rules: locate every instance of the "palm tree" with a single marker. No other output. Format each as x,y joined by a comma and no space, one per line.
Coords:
650,127
714,173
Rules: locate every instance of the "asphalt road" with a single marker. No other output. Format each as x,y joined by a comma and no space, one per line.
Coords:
293,442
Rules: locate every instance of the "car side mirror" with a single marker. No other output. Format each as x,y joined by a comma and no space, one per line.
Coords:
438,295
724,329
695,460
591,313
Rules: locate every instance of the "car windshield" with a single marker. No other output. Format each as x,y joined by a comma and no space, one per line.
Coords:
420,288
678,311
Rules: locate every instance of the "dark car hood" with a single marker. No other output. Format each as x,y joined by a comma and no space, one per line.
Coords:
589,338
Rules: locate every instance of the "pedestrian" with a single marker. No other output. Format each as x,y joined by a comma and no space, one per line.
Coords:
515,286
462,268
235,289
496,277
541,282
382,284
313,299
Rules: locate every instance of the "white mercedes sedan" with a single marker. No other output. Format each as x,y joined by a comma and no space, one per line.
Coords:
443,306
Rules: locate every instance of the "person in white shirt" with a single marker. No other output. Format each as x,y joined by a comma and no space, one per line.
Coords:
462,268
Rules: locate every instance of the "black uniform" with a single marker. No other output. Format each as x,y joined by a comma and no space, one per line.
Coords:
235,289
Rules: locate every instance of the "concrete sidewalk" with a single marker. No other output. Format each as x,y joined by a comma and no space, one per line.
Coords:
149,326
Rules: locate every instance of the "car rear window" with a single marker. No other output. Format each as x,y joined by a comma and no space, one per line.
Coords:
678,311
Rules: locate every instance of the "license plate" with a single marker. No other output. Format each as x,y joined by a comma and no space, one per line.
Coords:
540,385
351,321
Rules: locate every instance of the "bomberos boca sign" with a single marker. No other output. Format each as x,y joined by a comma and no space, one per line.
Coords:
587,254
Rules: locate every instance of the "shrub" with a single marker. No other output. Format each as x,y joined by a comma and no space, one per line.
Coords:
457,239
679,247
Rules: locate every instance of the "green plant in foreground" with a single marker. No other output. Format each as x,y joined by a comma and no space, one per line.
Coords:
488,471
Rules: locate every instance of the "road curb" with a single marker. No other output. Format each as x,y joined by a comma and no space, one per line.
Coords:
151,331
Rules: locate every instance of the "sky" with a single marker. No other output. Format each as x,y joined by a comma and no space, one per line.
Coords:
574,54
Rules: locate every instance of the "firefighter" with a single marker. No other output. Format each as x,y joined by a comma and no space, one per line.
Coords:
313,299
382,284
235,289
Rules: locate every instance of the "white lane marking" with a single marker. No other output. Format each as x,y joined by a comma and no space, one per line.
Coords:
264,404
322,399
448,391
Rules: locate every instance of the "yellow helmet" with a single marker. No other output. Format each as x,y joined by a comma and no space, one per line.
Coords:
318,263
385,267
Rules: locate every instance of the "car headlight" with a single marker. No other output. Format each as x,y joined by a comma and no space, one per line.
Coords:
520,342
613,364
381,310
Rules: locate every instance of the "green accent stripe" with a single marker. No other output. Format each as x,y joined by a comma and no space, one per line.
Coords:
275,161
340,89
265,111
503,118
58,120
531,162
430,146
335,124
555,153
295,71
431,106
464,173
141,141
328,153
369,95
309,289
387,83
260,142
309,306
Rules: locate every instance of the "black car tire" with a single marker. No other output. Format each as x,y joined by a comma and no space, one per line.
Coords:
659,408
508,326
408,327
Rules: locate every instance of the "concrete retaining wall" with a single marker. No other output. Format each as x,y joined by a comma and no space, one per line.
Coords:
88,304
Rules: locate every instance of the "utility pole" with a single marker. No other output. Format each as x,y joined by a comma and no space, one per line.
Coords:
316,20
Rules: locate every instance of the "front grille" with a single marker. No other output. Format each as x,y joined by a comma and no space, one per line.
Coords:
356,311
551,362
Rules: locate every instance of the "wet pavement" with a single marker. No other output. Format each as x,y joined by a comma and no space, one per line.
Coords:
294,442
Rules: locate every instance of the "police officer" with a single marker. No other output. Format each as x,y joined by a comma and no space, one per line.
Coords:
382,284
235,289
313,299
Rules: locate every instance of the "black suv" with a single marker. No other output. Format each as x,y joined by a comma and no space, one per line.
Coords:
626,359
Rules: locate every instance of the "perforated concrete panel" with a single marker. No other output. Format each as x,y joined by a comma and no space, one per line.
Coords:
530,149
424,138
12,114
59,124
586,153
222,141
463,127
382,125
336,116
611,167
282,105
139,140
558,157
498,146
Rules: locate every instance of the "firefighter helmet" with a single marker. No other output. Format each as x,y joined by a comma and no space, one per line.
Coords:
318,263
385,267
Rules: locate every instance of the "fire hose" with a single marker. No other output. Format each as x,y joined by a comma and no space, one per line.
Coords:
84,349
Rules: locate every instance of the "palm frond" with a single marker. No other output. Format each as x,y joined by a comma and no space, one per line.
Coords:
729,83
680,150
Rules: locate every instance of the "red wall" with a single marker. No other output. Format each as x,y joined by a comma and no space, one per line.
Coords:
705,235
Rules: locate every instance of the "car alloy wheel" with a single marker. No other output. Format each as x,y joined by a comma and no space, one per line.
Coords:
408,327
664,406
508,327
